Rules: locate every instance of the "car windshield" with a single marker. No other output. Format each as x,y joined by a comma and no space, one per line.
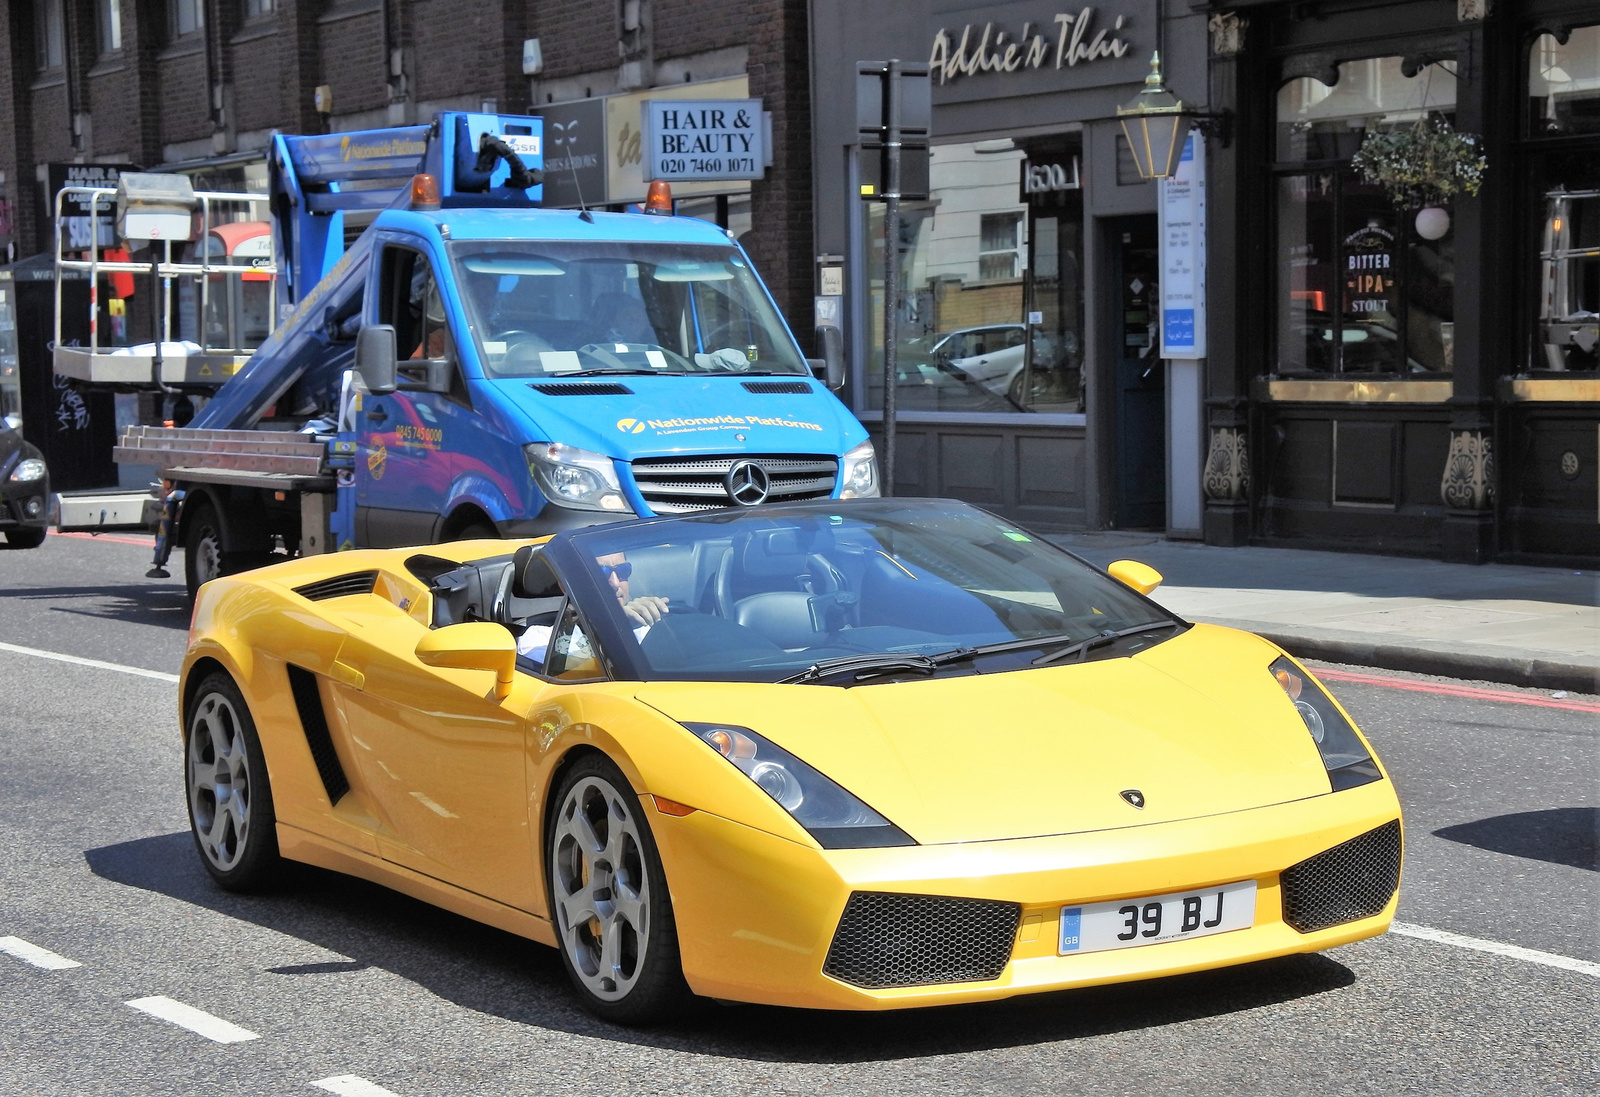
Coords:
541,309
763,595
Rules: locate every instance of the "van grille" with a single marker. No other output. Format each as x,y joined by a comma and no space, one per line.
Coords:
886,940
683,485
1351,881
582,388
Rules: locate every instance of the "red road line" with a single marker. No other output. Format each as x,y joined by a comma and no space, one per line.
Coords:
148,542
1455,691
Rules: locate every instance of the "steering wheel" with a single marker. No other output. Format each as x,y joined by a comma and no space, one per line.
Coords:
523,348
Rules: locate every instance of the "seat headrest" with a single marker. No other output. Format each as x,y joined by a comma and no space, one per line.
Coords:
531,575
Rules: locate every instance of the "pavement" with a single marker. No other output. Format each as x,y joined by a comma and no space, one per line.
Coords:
1526,626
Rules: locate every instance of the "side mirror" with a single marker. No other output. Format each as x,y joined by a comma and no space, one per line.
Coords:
829,369
475,645
376,355
1130,573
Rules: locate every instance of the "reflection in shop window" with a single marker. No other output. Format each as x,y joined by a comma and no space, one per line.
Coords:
1564,102
1358,291
991,314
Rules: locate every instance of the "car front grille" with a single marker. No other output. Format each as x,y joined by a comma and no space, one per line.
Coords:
682,485
886,940
1353,880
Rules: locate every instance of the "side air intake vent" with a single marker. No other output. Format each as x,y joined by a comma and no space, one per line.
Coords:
886,940
778,388
314,722
581,388
357,582
1353,880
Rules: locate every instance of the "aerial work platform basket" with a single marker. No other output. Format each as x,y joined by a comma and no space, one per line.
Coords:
229,273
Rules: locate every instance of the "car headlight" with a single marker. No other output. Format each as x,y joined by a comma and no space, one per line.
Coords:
31,469
835,818
1343,754
577,478
858,473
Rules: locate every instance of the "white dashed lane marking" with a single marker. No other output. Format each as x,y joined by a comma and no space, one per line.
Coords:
1497,948
195,1020
33,954
353,1085
98,664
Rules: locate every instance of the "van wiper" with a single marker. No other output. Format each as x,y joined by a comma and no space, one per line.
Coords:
862,666
1109,636
623,370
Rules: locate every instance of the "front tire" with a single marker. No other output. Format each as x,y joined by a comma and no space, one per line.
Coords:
24,538
230,797
609,904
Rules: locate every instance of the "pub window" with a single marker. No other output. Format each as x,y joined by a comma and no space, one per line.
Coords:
256,8
1562,212
49,35
991,293
1357,290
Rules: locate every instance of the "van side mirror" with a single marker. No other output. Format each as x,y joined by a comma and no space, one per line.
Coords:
376,357
829,369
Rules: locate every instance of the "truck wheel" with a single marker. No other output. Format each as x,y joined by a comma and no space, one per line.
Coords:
24,538
202,548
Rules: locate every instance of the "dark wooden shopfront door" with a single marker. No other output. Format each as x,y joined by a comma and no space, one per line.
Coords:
1141,491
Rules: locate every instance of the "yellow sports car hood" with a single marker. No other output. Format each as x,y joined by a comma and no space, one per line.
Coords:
1196,725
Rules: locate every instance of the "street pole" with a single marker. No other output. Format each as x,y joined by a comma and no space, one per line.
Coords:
891,268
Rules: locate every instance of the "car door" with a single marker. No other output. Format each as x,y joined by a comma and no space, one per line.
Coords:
444,762
406,469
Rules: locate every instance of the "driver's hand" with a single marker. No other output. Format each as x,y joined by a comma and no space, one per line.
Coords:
646,610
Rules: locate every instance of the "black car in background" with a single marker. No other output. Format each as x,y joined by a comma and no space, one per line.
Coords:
24,491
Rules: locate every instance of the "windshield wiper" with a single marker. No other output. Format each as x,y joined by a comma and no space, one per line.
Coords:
624,370
1109,636
862,666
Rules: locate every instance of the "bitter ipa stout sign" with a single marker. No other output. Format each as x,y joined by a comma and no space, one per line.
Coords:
692,140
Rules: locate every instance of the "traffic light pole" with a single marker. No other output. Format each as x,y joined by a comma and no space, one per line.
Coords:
891,268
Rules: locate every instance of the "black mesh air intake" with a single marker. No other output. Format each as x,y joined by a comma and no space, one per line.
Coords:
359,582
582,388
778,388
314,722
1353,880
912,940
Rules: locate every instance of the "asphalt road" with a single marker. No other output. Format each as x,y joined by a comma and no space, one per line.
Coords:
340,978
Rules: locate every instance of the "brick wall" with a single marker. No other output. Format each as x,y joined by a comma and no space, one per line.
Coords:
152,102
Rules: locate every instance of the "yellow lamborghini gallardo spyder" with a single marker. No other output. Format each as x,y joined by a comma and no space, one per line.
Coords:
848,755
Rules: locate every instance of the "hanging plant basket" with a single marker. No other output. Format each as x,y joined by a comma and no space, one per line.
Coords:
1423,166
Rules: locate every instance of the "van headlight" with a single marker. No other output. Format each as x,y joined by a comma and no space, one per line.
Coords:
576,478
858,473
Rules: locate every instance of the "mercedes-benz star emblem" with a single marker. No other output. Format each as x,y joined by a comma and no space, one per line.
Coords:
1133,796
747,483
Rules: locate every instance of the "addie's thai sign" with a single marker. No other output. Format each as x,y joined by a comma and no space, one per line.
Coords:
1027,48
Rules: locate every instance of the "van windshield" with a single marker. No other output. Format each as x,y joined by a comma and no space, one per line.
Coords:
541,309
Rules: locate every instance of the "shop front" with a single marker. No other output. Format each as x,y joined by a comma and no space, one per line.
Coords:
1403,376
1029,376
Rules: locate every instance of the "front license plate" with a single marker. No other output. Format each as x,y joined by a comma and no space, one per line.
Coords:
1128,923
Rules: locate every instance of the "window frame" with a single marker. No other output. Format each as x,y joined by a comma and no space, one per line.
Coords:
108,26
1342,175
1531,152
176,12
49,36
